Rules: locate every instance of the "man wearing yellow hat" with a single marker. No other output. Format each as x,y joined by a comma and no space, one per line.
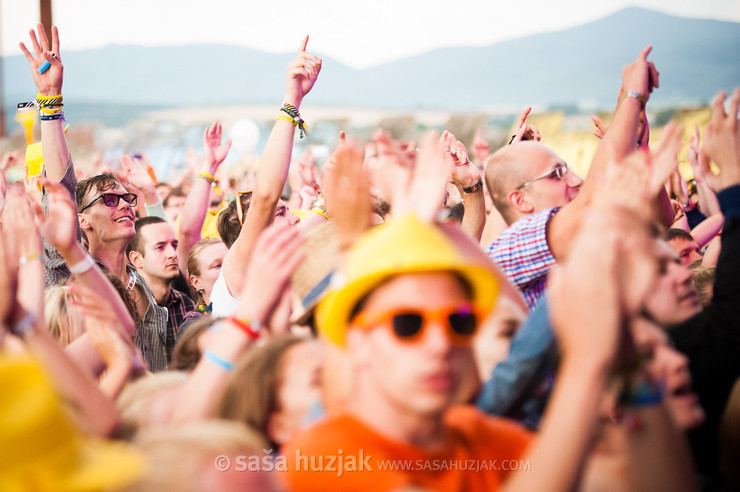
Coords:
406,312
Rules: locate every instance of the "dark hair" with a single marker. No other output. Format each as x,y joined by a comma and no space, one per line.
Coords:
228,223
186,354
137,242
177,191
125,296
100,182
674,233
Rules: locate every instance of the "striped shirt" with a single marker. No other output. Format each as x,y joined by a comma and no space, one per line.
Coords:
522,252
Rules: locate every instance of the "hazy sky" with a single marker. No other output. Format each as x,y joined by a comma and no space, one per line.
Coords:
356,33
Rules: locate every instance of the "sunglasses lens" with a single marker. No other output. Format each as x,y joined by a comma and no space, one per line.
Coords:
407,325
130,198
109,199
463,324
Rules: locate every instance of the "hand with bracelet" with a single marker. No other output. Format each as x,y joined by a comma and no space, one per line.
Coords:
213,153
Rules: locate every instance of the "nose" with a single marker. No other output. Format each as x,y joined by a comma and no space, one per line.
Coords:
435,338
293,219
682,273
573,180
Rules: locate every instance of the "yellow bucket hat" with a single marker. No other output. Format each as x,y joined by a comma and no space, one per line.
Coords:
406,245
41,449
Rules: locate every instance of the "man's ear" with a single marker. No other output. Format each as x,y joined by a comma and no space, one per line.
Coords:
521,202
135,258
84,222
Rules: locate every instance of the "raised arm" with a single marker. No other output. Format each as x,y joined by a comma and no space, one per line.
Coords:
466,177
277,254
196,205
273,170
49,85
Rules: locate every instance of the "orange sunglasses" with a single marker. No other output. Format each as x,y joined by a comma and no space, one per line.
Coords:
407,323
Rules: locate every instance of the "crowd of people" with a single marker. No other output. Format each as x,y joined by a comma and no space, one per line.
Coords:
399,317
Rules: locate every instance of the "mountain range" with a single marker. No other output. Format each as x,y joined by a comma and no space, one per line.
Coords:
695,57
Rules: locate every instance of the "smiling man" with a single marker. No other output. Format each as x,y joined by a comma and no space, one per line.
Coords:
106,215
153,252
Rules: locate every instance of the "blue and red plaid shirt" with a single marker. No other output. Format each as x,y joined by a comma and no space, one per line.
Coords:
522,252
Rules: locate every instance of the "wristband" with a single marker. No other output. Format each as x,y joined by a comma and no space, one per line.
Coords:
637,96
475,188
25,259
252,330
83,266
224,364
211,179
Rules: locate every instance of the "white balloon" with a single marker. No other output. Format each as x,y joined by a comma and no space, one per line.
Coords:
245,134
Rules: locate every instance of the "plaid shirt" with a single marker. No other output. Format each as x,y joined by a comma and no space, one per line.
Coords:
522,252
178,305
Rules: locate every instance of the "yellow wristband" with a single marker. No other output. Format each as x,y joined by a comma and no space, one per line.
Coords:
319,211
39,97
286,118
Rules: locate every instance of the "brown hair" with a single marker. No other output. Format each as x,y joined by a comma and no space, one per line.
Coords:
194,265
703,280
229,225
251,394
137,242
186,354
100,182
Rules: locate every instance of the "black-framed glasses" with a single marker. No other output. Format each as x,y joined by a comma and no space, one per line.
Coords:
112,200
557,173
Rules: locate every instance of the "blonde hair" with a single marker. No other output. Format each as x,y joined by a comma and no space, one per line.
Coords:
137,400
63,324
179,456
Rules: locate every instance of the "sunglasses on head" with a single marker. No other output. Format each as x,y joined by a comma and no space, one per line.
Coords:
557,173
460,319
112,199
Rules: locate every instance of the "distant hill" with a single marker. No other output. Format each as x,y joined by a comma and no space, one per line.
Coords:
695,58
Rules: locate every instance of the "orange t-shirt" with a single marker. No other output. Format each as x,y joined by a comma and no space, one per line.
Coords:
343,454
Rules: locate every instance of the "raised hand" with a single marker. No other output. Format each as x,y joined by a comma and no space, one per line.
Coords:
48,83
463,172
301,75
213,152
347,193
138,175
641,76
523,131
423,190
60,227
722,141
276,255
601,127
699,160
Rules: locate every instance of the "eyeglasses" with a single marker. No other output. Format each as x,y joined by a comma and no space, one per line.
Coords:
557,173
460,319
112,199
239,212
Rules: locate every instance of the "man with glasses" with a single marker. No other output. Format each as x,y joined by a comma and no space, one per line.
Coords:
106,216
541,199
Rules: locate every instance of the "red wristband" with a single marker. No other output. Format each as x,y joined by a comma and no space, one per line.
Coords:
251,330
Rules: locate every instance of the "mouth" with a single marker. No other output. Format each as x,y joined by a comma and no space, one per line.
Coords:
442,381
683,390
172,265
125,219
690,297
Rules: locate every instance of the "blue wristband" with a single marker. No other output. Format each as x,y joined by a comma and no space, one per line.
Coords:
222,363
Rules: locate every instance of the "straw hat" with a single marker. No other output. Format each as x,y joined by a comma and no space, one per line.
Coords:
41,450
310,281
406,245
